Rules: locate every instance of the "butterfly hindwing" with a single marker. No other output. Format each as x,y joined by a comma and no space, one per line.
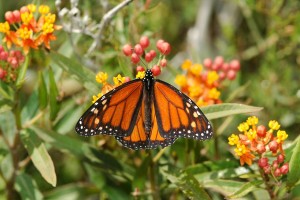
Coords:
114,113
177,115
138,139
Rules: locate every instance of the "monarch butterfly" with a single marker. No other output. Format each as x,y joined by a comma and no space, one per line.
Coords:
144,114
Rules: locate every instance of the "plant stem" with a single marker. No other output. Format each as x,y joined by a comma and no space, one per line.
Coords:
154,190
267,183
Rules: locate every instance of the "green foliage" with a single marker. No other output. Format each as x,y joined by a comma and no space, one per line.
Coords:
41,156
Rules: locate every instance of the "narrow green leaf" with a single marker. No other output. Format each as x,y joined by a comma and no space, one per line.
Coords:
245,189
5,105
84,75
42,91
30,108
27,188
8,126
187,184
22,72
53,91
39,155
294,165
227,109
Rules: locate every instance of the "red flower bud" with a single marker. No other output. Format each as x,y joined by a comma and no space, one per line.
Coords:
263,162
267,169
222,75
152,53
231,74
284,169
127,49
135,58
148,57
138,49
17,15
9,17
261,131
165,48
275,164
159,43
2,73
225,67
140,69
235,65
219,60
261,148
24,9
207,63
127,79
156,70
280,158
163,62
3,55
273,145
277,172
144,42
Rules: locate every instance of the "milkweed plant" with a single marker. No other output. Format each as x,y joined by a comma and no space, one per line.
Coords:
51,65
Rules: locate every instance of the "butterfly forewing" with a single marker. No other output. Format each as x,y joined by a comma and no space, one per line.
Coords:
177,115
114,113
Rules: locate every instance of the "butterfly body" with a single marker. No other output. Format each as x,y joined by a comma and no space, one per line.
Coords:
145,113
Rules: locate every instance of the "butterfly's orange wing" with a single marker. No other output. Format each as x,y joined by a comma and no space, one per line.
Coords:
114,113
139,139
177,115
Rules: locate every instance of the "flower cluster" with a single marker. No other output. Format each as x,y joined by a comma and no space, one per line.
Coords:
29,27
9,64
101,78
257,140
138,55
202,82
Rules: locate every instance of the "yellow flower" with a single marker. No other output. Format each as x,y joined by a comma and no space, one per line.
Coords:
281,136
186,64
214,93
47,28
212,76
24,33
140,75
101,77
196,69
233,139
31,7
243,127
251,134
43,9
200,103
50,18
26,17
180,80
195,91
240,149
95,98
252,120
274,125
119,80
4,27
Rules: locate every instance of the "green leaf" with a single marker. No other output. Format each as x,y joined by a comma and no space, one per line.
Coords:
39,155
188,184
8,126
5,105
42,91
227,109
22,72
294,165
246,188
30,108
94,156
76,191
54,105
27,188
84,75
